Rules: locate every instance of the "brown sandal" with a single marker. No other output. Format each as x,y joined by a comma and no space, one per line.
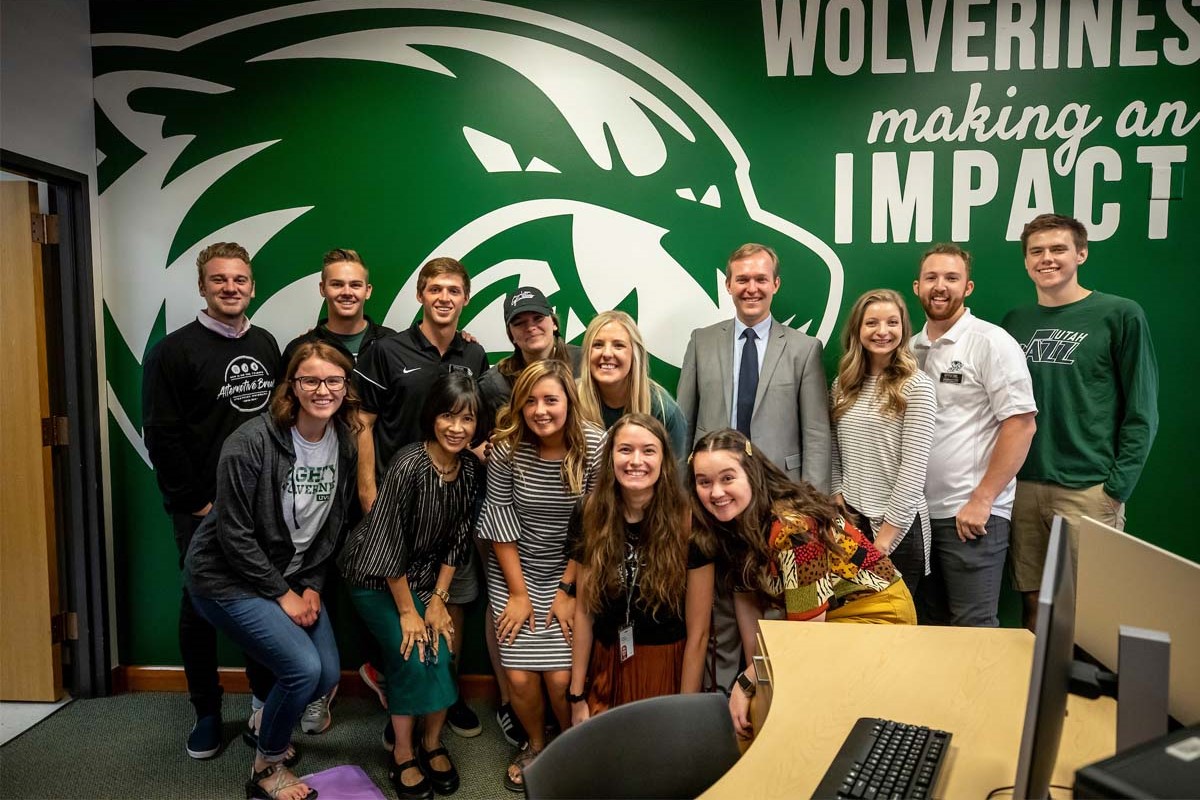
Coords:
521,760
255,790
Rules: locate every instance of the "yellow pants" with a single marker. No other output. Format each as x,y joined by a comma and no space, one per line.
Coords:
892,606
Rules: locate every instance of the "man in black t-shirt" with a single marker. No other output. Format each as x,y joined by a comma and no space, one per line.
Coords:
199,384
346,286
394,377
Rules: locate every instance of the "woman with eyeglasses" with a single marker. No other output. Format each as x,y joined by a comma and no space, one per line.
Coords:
644,589
786,550
256,566
617,379
545,459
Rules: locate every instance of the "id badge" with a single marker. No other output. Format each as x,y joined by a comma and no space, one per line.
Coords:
625,641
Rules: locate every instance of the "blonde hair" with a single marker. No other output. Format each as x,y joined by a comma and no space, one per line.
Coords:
637,382
852,368
512,429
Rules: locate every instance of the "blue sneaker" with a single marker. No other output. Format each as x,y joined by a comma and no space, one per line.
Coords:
205,739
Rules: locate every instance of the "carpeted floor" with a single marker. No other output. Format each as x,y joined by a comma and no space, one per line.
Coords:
131,747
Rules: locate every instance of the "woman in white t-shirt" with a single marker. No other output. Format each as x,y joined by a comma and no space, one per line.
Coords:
256,566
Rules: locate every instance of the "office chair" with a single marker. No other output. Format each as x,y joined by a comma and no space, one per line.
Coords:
674,746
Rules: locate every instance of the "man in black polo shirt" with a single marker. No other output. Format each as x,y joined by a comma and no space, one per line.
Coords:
199,384
394,377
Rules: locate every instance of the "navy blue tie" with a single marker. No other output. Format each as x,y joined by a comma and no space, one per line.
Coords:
747,381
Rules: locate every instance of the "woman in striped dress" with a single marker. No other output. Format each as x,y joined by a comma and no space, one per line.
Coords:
545,458
399,562
883,414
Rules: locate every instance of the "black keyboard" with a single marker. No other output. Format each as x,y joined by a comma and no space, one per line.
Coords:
885,759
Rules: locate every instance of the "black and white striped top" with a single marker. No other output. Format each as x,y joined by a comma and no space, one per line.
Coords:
529,504
879,461
418,523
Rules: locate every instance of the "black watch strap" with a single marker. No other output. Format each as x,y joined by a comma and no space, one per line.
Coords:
747,685
575,698
566,588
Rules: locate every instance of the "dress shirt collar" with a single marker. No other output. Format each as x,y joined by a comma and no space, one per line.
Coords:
221,329
762,329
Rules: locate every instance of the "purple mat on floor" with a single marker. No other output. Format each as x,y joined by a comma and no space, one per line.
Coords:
347,782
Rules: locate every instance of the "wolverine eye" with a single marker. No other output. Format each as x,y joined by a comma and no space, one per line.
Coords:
497,155
712,197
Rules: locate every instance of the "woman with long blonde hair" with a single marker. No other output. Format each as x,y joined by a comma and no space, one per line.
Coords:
645,592
617,379
883,409
545,457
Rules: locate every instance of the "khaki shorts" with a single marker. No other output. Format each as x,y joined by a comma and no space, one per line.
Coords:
1034,509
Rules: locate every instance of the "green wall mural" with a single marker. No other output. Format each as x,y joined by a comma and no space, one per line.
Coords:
613,154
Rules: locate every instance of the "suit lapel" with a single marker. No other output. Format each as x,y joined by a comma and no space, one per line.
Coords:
725,358
775,345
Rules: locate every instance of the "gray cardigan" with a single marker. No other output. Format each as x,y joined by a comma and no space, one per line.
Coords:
243,546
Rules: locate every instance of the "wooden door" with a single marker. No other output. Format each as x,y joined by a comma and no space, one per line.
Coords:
30,662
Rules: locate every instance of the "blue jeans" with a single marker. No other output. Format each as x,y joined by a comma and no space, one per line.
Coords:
304,660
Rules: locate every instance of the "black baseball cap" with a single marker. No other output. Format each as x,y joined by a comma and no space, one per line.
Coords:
522,299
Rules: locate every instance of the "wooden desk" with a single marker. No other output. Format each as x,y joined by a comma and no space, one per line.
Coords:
973,682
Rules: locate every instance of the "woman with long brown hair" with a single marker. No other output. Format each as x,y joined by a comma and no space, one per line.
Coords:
785,548
883,410
645,592
545,458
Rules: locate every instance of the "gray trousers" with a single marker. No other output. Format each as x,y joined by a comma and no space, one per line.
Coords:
728,642
963,586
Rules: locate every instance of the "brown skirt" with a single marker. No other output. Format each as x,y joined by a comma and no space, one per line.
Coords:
653,671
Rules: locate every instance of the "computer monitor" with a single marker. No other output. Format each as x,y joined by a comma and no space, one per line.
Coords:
1050,681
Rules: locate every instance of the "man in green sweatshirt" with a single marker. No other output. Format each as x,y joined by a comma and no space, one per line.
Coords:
1095,380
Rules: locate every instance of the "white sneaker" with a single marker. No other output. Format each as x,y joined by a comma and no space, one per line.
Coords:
317,715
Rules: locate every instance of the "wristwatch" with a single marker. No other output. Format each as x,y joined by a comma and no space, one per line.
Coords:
566,588
575,698
441,593
747,685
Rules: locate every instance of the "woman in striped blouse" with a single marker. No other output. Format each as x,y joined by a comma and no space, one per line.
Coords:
399,562
545,458
883,414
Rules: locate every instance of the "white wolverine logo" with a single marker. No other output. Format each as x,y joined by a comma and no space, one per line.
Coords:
519,296
537,150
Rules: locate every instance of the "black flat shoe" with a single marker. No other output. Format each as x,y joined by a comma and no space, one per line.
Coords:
418,791
444,781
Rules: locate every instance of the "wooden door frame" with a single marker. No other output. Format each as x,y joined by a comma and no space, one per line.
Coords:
81,505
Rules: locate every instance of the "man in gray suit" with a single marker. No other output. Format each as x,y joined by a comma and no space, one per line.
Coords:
766,380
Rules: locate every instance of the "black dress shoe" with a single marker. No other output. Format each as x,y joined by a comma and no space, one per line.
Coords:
418,791
444,781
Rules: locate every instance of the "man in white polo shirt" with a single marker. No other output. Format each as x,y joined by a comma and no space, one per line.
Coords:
982,434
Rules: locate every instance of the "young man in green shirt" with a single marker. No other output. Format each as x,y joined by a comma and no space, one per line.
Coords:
1095,381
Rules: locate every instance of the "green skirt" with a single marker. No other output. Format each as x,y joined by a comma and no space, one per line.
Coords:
413,688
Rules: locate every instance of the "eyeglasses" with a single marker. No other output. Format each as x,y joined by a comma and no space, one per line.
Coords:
310,383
